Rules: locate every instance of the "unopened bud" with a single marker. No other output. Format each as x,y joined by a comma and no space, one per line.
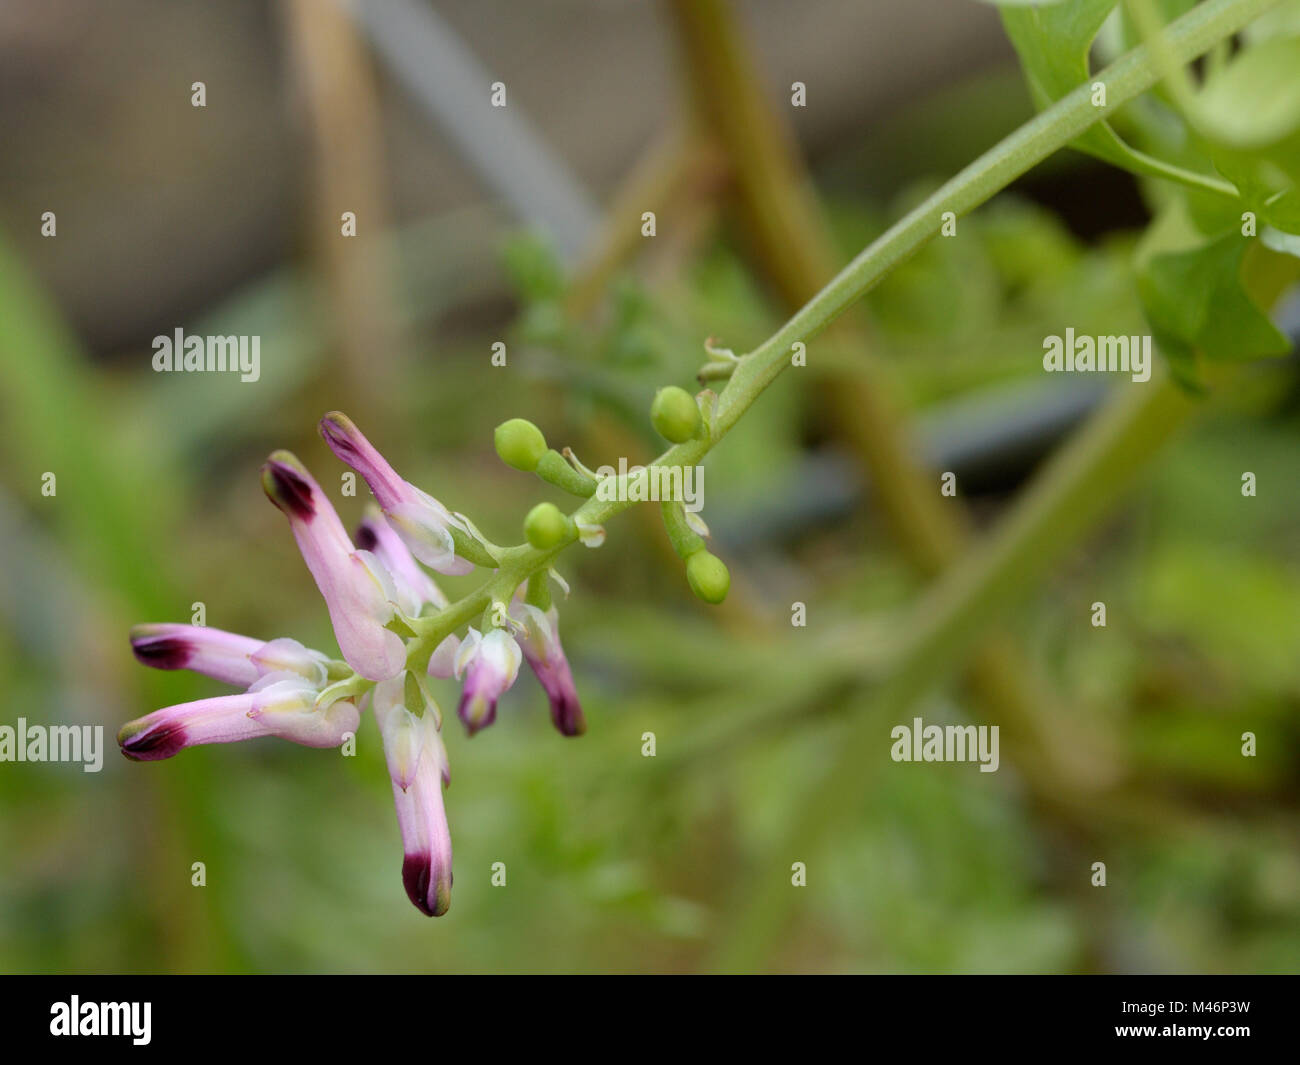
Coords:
520,444
708,576
675,415
546,526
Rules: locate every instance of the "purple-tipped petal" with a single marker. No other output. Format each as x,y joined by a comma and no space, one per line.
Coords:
423,523
490,665
352,584
278,705
422,820
351,446
223,656
542,650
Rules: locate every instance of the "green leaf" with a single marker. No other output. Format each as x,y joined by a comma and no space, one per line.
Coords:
1248,115
1254,101
1265,188
1053,44
1197,303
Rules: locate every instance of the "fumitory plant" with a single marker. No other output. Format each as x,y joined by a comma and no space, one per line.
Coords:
1223,143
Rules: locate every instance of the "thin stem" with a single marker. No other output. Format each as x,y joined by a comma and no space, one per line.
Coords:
1051,130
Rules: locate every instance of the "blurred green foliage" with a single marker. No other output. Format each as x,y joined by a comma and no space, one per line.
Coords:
615,861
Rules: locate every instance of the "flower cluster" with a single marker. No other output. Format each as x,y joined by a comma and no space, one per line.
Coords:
383,605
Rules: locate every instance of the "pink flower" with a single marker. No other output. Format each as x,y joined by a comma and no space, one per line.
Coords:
279,704
417,764
423,523
357,590
490,665
224,656
221,655
541,647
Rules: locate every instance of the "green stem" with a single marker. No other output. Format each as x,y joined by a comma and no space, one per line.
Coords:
1053,129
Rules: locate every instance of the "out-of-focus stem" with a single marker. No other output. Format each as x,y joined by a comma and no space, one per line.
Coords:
338,94
1080,485
793,242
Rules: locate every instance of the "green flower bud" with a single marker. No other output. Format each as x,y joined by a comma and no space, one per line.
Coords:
546,526
708,576
520,444
675,415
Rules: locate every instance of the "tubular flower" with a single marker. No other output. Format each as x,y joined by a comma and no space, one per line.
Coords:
221,655
417,764
489,665
357,590
224,656
423,523
540,642
279,704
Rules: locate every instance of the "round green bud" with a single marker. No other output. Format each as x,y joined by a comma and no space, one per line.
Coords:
675,415
520,444
546,526
708,576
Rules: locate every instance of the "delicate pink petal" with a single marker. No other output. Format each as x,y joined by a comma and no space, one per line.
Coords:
278,705
224,656
541,647
442,663
490,667
353,587
348,443
288,655
414,586
422,820
421,521
401,731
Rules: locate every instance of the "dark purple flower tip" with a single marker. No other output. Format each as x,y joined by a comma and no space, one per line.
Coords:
150,744
158,650
417,873
340,432
286,487
476,712
365,539
566,713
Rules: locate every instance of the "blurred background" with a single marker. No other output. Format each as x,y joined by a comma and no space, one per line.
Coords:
523,225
